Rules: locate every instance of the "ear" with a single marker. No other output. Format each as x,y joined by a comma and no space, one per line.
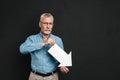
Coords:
39,24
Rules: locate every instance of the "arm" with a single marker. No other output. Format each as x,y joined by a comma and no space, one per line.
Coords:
29,45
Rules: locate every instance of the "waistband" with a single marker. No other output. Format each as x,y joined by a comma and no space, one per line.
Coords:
47,74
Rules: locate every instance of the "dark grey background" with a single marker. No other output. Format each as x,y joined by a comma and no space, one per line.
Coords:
89,28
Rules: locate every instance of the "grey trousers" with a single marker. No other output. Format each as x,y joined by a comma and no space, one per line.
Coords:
34,76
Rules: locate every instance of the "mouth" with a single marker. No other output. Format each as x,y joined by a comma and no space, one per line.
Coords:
47,30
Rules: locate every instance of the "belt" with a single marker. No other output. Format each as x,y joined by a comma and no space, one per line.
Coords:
47,74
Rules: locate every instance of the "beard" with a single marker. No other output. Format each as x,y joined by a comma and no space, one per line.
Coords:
47,32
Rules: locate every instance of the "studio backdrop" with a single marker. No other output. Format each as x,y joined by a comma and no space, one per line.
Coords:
90,29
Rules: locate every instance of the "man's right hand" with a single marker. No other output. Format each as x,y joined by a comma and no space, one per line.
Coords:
48,41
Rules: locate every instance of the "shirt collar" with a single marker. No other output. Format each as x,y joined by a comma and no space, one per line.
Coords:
42,35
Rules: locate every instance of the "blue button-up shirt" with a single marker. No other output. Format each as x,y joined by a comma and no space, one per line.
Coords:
41,60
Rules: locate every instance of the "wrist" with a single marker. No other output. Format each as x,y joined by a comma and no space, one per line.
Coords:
43,44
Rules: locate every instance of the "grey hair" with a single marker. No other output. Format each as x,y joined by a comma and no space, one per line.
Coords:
46,15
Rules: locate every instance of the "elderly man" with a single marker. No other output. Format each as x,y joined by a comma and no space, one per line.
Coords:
43,65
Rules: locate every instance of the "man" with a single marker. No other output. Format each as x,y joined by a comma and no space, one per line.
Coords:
43,65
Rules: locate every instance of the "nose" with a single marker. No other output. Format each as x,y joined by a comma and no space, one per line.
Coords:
48,26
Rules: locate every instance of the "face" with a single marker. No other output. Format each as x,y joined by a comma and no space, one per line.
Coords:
46,25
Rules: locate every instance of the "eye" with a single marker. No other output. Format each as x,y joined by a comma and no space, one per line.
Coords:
50,23
47,23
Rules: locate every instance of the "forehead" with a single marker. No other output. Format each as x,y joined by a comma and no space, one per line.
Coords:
46,19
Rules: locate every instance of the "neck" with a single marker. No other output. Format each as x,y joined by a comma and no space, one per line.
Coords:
45,36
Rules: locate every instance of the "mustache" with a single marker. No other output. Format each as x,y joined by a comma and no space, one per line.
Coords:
47,30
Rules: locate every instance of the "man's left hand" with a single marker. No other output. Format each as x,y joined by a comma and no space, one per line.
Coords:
64,69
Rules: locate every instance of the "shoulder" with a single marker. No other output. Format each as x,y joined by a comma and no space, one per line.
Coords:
56,37
33,36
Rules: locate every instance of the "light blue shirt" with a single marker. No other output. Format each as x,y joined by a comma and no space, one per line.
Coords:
41,60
